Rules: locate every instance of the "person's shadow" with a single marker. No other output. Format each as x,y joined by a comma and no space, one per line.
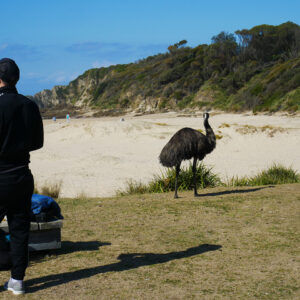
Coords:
127,262
68,247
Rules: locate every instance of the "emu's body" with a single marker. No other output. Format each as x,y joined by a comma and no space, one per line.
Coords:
185,144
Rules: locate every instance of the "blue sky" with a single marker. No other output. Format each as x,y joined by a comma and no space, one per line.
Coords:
55,41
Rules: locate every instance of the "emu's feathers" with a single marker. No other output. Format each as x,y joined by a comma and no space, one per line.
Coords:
185,144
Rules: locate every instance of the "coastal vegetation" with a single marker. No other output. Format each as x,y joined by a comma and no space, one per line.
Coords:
205,177
276,174
254,69
165,182
51,189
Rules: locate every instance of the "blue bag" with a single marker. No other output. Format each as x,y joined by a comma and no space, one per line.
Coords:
45,208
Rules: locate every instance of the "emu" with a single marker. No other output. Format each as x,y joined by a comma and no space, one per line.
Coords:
185,144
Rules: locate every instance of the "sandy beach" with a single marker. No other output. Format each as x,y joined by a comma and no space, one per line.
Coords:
96,156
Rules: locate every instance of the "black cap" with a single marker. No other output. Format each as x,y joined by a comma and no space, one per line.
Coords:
9,71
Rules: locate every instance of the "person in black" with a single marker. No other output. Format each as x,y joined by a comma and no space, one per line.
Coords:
21,131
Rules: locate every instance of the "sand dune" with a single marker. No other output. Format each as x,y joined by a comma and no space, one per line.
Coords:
95,157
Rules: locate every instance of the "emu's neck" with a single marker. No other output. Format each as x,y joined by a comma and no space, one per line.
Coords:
211,138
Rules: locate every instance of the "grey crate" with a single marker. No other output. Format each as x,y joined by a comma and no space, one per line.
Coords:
42,236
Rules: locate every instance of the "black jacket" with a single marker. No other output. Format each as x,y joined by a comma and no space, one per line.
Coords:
21,128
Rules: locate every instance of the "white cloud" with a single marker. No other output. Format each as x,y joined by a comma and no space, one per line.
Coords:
21,52
3,46
60,79
56,77
74,76
31,75
105,63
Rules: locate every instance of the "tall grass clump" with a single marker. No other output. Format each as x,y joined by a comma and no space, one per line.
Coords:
49,189
165,182
276,174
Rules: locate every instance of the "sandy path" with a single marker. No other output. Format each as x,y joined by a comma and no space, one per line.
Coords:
95,157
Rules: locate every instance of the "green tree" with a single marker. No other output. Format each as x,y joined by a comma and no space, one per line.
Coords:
173,48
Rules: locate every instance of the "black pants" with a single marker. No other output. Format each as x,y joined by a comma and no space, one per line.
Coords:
16,189
5,259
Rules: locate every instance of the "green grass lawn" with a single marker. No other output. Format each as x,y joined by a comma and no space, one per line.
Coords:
231,243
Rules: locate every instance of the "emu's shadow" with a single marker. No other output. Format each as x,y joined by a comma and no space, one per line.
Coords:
235,191
127,262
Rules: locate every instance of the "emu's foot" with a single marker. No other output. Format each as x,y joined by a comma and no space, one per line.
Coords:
176,196
197,195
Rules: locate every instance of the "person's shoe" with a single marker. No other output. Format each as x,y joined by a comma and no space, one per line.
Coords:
17,287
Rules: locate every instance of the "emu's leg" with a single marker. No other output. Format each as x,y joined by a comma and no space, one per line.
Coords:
194,177
177,173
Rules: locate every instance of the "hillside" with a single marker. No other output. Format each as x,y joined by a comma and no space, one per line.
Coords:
259,72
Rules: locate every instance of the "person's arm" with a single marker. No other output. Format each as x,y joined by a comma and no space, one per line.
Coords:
34,124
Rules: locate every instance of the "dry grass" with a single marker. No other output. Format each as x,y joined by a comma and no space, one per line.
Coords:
267,129
228,244
250,129
81,196
161,124
218,135
224,125
51,189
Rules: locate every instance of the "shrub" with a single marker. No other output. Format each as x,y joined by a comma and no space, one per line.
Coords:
133,187
165,182
124,103
49,189
185,101
276,174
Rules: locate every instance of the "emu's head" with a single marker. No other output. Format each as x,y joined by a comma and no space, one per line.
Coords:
206,116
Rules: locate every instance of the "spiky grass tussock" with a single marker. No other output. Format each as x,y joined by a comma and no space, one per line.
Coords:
276,174
49,189
165,182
